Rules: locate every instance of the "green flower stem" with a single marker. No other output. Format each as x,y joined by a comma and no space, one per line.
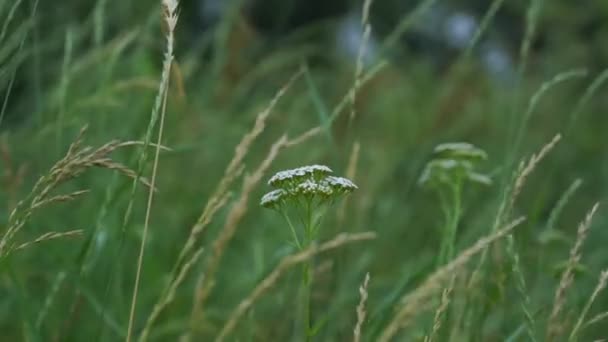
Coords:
453,213
293,229
306,294
309,191
307,272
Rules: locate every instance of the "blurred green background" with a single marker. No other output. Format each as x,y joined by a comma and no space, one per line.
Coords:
67,64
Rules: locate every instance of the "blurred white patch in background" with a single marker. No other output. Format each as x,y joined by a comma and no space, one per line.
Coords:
459,29
349,37
497,61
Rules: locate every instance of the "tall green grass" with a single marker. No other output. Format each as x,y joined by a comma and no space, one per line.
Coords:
146,224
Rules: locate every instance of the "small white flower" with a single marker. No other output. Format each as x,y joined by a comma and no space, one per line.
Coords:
310,187
295,174
341,183
272,198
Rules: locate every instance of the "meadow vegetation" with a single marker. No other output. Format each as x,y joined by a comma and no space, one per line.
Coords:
135,155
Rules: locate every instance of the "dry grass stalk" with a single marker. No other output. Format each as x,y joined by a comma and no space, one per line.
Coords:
601,285
511,194
414,301
60,198
366,77
367,30
530,322
441,309
168,298
361,309
554,327
285,264
598,318
217,201
170,16
77,161
525,171
169,293
49,236
236,214
13,175
233,171
351,173
232,221
260,123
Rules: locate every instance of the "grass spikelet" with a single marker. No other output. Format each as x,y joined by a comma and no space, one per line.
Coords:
522,288
217,201
417,299
554,327
260,123
234,217
361,313
511,194
169,296
483,25
601,285
440,312
77,161
227,233
525,171
537,96
170,17
561,204
405,23
598,318
169,293
49,236
367,31
589,92
285,264
351,173
532,15
233,171
60,198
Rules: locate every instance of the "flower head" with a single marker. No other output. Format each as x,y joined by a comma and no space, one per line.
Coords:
309,182
273,198
296,175
341,184
311,187
460,150
454,162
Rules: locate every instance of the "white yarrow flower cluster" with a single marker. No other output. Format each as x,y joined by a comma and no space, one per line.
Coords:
273,198
309,182
299,174
461,151
454,162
